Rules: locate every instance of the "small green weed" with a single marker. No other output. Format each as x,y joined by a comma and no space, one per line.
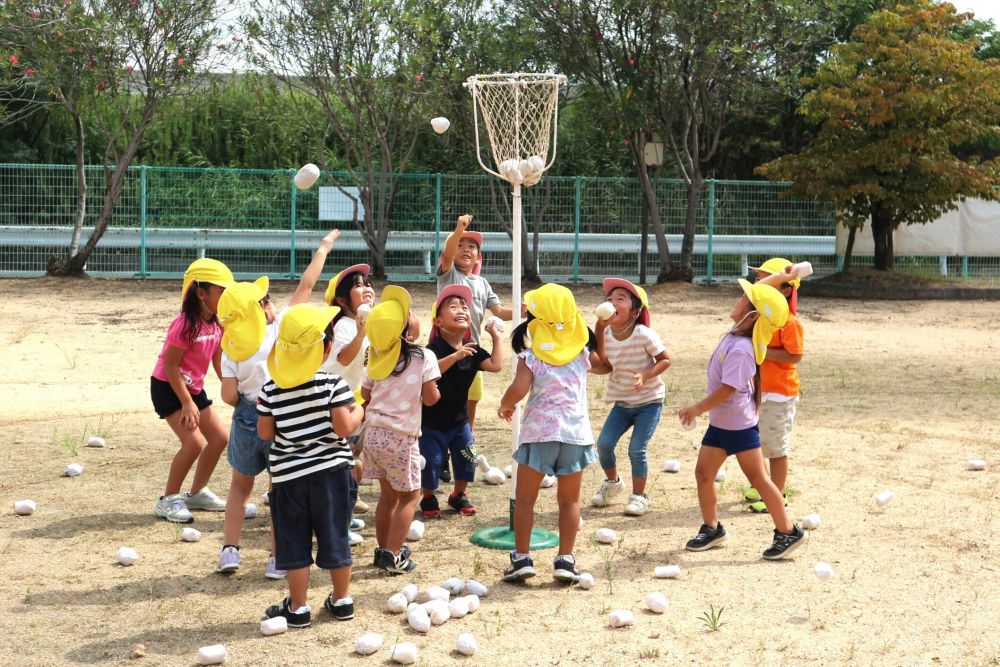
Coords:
608,558
712,618
68,441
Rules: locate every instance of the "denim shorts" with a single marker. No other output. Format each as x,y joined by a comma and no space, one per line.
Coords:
165,401
555,458
319,504
733,442
246,453
435,447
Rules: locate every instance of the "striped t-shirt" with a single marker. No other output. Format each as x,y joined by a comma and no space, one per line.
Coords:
305,442
635,353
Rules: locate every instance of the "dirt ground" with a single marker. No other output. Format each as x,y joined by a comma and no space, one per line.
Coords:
897,395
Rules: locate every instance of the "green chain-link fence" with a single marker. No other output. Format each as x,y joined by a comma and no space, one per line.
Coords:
259,223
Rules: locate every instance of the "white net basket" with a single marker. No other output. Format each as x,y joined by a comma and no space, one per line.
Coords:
520,113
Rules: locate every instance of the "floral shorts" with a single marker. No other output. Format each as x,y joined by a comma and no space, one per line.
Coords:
393,456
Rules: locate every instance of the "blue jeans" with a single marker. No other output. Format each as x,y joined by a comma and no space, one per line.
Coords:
643,420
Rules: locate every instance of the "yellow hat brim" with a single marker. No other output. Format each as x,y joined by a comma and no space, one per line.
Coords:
772,314
558,346
298,352
206,270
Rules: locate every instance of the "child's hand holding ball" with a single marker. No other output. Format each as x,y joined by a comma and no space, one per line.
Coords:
604,311
362,314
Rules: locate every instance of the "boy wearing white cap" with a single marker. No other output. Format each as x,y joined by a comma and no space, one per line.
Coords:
308,414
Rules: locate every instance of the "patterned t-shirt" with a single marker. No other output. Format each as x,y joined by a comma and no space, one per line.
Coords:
305,442
396,401
557,405
635,353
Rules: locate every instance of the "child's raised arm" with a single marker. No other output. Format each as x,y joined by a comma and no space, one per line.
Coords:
518,389
312,273
451,244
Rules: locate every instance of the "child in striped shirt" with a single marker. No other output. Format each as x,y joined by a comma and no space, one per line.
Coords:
308,413
636,358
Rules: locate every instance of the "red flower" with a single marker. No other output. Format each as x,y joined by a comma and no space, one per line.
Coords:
70,49
597,34
418,78
101,85
631,61
34,15
128,69
13,60
29,71
133,4
180,61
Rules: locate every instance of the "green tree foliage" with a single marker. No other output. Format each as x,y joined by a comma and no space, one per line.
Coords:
894,107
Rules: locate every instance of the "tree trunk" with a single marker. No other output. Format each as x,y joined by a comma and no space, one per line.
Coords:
690,220
849,251
667,269
81,187
882,234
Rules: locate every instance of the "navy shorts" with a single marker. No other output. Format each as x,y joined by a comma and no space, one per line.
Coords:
436,445
165,401
733,442
247,453
319,504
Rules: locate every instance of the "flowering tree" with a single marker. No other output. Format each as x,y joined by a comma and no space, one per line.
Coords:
121,60
899,109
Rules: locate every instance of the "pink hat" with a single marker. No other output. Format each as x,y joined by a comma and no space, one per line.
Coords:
477,238
464,292
634,290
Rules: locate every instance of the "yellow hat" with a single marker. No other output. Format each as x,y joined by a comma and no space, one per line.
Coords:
777,265
558,332
772,311
298,352
242,318
331,287
384,329
206,270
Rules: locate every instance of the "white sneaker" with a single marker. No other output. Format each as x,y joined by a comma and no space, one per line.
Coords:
272,572
360,507
354,538
637,505
609,489
205,500
229,560
172,508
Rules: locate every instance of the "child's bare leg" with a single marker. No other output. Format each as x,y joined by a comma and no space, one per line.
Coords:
240,489
470,407
752,464
710,459
779,472
384,510
298,586
568,497
460,487
217,438
402,516
529,481
340,577
192,442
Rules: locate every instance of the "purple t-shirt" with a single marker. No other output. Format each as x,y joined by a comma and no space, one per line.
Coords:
733,364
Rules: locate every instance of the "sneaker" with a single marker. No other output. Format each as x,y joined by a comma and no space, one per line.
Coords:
429,507
785,544
461,504
300,618
205,500
760,508
401,564
342,609
354,538
172,508
445,476
520,569
637,505
271,570
266,498
360,506
229,560
384,558
752,495
564,569
706,538
609,489
357,524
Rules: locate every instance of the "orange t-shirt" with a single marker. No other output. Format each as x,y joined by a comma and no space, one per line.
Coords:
780,378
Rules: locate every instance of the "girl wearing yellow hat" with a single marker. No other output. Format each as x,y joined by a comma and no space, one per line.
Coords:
555,351
732,403
178,393
637,358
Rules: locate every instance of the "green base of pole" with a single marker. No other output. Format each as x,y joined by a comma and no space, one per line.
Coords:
502,537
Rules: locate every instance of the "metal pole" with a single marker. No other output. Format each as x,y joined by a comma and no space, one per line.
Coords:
437,215
576,227
142,221
515,309
291,261
709,257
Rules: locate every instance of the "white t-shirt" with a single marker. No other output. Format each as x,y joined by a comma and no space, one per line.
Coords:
396,401
635,353
344,332
251,374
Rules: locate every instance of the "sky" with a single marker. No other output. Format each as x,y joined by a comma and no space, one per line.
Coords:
983,9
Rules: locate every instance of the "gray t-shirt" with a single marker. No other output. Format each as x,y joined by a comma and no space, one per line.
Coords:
483,296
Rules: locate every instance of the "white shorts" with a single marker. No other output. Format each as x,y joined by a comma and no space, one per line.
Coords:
775,421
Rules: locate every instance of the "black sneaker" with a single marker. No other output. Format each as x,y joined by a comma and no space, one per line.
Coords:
461,504
295,619
564,570
445,476
706,538
429,507
382,557
520,569
342,609
401,564
785,544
